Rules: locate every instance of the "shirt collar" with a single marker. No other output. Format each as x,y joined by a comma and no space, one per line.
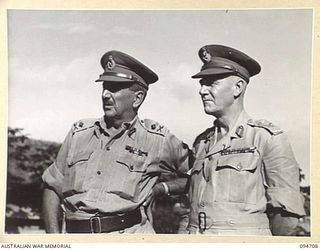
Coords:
129,125
101,126
237,131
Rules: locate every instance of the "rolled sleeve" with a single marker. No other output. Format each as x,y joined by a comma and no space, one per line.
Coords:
174,164
54,174
53,178
175,155
288,200
282,176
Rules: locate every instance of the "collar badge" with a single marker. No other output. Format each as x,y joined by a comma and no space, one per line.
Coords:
240,131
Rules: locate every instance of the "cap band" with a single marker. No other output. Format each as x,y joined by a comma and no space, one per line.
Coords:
219,62
125,76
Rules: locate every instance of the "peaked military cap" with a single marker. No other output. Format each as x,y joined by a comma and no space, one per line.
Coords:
220,60
120,67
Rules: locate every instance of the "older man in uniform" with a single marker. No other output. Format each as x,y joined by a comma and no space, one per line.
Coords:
244,172
105,175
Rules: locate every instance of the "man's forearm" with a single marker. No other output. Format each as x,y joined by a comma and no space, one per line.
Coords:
50,211
177,186
174,187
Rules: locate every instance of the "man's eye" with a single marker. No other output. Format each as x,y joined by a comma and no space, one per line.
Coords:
205,83
208,82
116,86
113,88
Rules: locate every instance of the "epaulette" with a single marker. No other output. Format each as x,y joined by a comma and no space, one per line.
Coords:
83,125
154,127
273,129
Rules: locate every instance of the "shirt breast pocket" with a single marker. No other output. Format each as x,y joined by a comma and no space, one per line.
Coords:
236,177
76,172
126,175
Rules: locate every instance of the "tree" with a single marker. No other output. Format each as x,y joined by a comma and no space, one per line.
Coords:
27,159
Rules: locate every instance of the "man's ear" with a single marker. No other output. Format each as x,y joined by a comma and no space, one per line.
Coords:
138,99
240,87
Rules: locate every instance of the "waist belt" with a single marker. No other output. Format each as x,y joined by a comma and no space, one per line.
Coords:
104,223
231,222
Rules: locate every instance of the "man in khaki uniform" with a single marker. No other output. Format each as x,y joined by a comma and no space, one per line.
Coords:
244,179
105,175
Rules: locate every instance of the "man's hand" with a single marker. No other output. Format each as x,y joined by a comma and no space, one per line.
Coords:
158,190
180,209
284,223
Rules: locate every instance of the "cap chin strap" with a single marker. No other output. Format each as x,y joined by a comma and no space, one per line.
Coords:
125,76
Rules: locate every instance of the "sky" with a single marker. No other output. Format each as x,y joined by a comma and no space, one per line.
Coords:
54,60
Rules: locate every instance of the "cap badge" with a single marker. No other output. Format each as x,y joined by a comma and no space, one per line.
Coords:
111,63
205,55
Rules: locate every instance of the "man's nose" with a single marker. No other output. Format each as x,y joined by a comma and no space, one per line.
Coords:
106,93
203,90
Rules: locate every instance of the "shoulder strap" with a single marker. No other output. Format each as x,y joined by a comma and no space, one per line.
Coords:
83,124
273,129
154,127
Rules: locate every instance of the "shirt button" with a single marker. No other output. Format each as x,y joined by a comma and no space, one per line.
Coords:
99,172
231,222
107,148
202,204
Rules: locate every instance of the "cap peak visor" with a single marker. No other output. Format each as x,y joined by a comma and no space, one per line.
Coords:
213,71
109,78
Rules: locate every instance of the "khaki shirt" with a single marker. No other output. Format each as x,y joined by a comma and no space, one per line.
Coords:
234,179
96,171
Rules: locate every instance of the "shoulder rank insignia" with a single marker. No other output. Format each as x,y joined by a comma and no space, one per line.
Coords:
83,124
136,151
273,129
78,126
154,127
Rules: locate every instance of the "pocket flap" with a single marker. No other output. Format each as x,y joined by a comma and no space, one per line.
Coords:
78,156
239,162
133,163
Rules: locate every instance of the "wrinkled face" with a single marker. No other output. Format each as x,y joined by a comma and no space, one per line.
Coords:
217,94
117,101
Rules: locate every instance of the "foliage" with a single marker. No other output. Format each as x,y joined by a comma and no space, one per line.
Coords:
27,159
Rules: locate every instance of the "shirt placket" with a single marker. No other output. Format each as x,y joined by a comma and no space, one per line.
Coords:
215,148
104,154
